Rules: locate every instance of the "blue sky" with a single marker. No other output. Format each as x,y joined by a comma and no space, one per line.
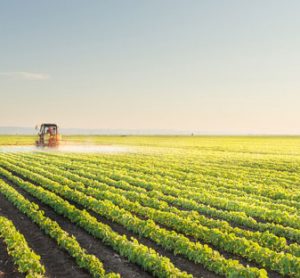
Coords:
208,66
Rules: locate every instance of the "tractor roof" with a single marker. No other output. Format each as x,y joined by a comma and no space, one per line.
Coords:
47,125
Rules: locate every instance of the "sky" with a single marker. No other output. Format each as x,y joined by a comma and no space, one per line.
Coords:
222,66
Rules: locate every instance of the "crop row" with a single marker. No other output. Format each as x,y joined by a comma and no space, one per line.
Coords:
51,228
196,252
161,193
209,197
137,253
256,188
224,241
101,190
216,186
28,261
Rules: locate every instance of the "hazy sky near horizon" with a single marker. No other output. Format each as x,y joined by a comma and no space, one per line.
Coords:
209,66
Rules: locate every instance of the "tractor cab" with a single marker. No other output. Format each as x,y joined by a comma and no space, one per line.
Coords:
48,136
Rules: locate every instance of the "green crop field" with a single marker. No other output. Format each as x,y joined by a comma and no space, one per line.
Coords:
157,206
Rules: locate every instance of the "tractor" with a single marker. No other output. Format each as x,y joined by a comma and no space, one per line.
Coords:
48,136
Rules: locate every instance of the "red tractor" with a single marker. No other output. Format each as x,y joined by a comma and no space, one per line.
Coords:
48,136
